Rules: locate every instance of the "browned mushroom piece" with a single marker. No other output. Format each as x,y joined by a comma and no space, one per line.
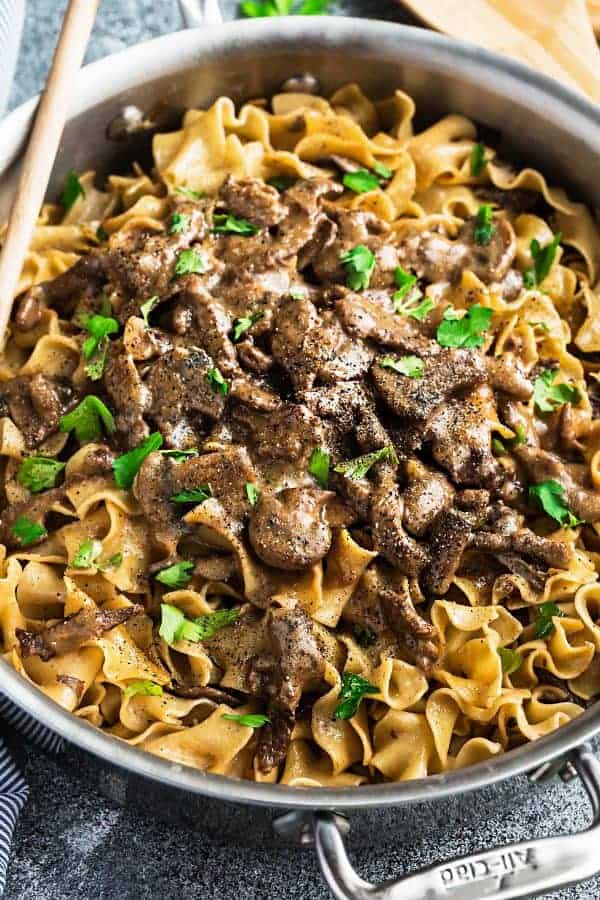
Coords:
289,529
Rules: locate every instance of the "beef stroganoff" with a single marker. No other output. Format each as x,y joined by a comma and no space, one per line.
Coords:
299,437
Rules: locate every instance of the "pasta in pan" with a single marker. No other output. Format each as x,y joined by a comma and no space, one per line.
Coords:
299,444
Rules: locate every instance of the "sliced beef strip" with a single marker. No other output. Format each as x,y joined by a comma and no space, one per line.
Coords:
143,343
534,577
506,374
351,410
289,529
524,543
448,540
416,635
82,281
306,229
252,199
542,465
182,396
355,227
205,323
292,664
204,691
427,493
312,346
460,435
289,433
370,317
130,397
437,258
388,532
68,635
444,376
36,508
35,403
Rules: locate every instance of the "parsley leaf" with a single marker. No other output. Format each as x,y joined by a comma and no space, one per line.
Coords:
175,626
177,575
194,495
363,635
147,307
360,181
126,467
484,227
87,419
358,467
529,279
353,689
281,182
548,396
188,192
544,626
181,455
411,366
318,466
477,159
216,381
509,659
95,368
38,473
549,495
179,222
467,331
257,8
252,493
241,326
382,171
252,720
101,234
113,562
543,257
405,281
99,328
225,223
418,312
190,262
298,293
72,190
359,263
87,554
144,687
26,531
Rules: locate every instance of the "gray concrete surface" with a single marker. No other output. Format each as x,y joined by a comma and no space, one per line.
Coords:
71,843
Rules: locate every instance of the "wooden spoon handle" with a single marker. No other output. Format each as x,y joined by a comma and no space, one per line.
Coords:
42,148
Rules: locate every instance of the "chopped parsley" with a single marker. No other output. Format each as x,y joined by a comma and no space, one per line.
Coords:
405,282
359,263
484,227
241,326
181,455
72,191
529,279
250,720
543,325
179,222
363,635
216,381
477,159
88,419
188,192
358,467
190,262
144,687
298,293
510,660
147,307
193,495
411,366
87,554
353,689
544,626
26,531
175,626
360,181
382,171
113,562
176,576
466,331
252,493
225,223
543,257
258,8
38,473
95,347
549,495
547,396
406,305
520,437
101,234
318,465
281,182
126,467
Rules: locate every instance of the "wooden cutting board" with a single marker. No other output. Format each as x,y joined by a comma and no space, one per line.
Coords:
552,36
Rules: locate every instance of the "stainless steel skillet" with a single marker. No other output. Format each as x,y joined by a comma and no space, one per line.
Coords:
551,127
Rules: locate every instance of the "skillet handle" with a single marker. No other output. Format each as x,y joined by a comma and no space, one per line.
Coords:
517,870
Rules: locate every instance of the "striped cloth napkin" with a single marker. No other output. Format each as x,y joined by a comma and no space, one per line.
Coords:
13,787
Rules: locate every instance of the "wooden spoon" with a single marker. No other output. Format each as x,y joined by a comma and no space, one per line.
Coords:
552,36
42,148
